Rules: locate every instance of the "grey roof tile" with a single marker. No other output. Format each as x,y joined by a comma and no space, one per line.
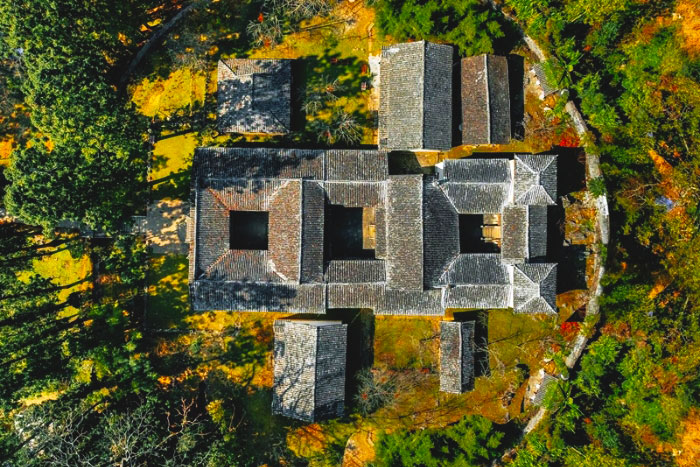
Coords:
351,271
309,369
415,97
535,288
456,356
535,179
254,96
477,296
404,220
476,170
477,198
440,231
514,230
476,268
312,236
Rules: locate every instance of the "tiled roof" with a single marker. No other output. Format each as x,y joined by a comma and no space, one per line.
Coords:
257,296
535,179
456,356
476,268
415,96
343,271
254,96
418,268
537,232
475,170
404,236
440,233
477,198
485,100
313,215
309,369
535,288
477,296
514,234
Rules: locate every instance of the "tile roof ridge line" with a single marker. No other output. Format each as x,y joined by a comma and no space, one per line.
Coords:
224,63
421,101
422,231
313,386
271,200
216,262
488,97
449,266
218,198
195,229
443,187
301,228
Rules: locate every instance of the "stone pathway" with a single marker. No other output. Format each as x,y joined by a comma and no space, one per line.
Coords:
166,227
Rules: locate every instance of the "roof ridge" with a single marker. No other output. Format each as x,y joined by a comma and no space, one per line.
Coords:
218,198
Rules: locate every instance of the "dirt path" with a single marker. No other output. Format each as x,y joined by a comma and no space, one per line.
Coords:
166,227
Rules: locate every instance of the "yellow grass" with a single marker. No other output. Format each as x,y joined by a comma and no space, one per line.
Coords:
172,155
63,269
180,92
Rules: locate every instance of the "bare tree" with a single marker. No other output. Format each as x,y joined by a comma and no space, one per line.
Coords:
305,9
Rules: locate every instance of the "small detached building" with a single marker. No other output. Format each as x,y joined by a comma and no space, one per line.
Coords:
254,96
456,356
309,369
485,100
415,97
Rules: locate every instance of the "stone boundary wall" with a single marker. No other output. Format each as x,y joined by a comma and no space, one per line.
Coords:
602,217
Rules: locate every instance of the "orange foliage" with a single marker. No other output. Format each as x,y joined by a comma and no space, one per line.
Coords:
690,441
689,16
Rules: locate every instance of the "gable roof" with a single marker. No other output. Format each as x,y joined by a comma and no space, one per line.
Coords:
485,100
415,96
456,356
254,96
404,236
309,369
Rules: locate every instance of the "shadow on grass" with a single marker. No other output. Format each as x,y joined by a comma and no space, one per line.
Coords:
339,82
406,163
168,297
175,186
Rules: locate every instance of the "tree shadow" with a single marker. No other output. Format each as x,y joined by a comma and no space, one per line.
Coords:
167,305
314,72
516,87
175,186
211,32
406,163
360,350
